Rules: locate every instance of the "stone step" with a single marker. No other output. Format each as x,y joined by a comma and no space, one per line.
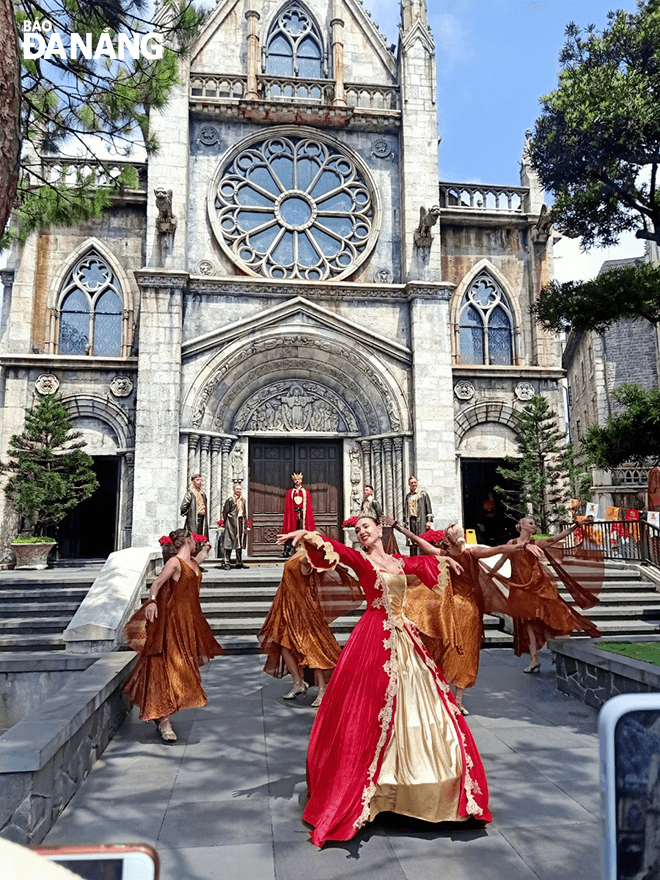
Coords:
20,625
648,597
32,642
38,608
69,594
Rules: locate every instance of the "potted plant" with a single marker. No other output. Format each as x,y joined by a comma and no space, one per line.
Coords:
49,474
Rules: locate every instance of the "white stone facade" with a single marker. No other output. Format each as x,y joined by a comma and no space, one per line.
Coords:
356,309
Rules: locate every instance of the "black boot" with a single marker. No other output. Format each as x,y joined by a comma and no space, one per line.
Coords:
227,560
288,550
239,559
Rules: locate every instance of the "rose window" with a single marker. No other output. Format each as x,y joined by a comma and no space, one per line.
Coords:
294,207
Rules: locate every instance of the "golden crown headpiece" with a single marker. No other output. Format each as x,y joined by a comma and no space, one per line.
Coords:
297,476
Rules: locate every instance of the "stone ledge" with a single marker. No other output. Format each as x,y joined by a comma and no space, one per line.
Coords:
595,676
45,757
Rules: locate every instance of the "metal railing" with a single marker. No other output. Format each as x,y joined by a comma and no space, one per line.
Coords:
637,541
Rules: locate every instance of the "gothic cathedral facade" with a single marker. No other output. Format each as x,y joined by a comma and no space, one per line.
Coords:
290,288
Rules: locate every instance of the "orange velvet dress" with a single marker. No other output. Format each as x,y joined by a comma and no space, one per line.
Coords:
299,616
535,600
166,677
425,611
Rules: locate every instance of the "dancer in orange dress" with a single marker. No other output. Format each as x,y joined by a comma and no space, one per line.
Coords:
470,604
178,640
296,633
539,612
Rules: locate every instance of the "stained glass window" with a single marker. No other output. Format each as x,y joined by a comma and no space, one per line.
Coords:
294,45
294,207
91,309
485,324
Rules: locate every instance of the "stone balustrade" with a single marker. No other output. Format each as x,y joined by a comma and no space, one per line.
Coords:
482,197
69,171
220,87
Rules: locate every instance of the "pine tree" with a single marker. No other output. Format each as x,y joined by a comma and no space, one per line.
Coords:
537,479
49,472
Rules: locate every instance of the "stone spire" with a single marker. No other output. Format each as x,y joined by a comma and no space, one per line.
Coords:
413,11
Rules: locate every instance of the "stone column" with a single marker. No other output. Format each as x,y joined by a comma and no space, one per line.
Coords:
252,93
226,471
127,478
377,447
215,481
388,500
193,440
432,402
204,469
366,462
398,478
337,25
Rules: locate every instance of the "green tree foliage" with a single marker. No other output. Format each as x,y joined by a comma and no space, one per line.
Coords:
625,292
49,474
537,477
632,436
597,144
94,107
576,471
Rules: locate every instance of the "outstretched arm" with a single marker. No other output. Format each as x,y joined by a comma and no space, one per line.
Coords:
427,548
548,542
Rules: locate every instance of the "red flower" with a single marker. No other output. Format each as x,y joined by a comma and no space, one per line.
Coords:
165,540
249,524
349,523
434,536
220,523
199,539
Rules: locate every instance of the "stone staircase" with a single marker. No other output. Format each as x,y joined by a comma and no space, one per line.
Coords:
236,604
629,600
37,606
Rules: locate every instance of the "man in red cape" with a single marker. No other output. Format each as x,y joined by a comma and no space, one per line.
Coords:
298,513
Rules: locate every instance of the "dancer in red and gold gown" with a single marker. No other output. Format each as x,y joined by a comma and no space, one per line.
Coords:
177,641
389,735
296,632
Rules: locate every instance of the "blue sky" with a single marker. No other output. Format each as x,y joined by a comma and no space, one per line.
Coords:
495,60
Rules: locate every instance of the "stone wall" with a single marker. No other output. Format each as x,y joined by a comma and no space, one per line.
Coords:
594,676
45,757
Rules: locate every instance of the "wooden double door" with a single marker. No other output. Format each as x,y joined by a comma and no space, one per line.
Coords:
271,466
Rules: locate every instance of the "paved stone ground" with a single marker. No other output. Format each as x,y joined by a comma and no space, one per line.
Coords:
225,802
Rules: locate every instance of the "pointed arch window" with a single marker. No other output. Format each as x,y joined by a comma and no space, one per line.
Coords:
485,324
294,46
91,309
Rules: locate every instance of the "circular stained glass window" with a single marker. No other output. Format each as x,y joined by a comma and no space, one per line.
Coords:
291,206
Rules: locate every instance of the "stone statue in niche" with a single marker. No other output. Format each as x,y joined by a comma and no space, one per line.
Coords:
237,463
427,220
166,221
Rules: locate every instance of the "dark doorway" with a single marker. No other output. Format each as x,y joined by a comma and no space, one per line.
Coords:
271,466
483,509
89,531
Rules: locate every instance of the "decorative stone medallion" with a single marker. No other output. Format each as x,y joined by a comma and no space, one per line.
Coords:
47,384
464,390
121,386
381,149
383,276
205,267
209,136
524,391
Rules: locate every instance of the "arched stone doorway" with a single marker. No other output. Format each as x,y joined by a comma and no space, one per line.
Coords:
298,399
